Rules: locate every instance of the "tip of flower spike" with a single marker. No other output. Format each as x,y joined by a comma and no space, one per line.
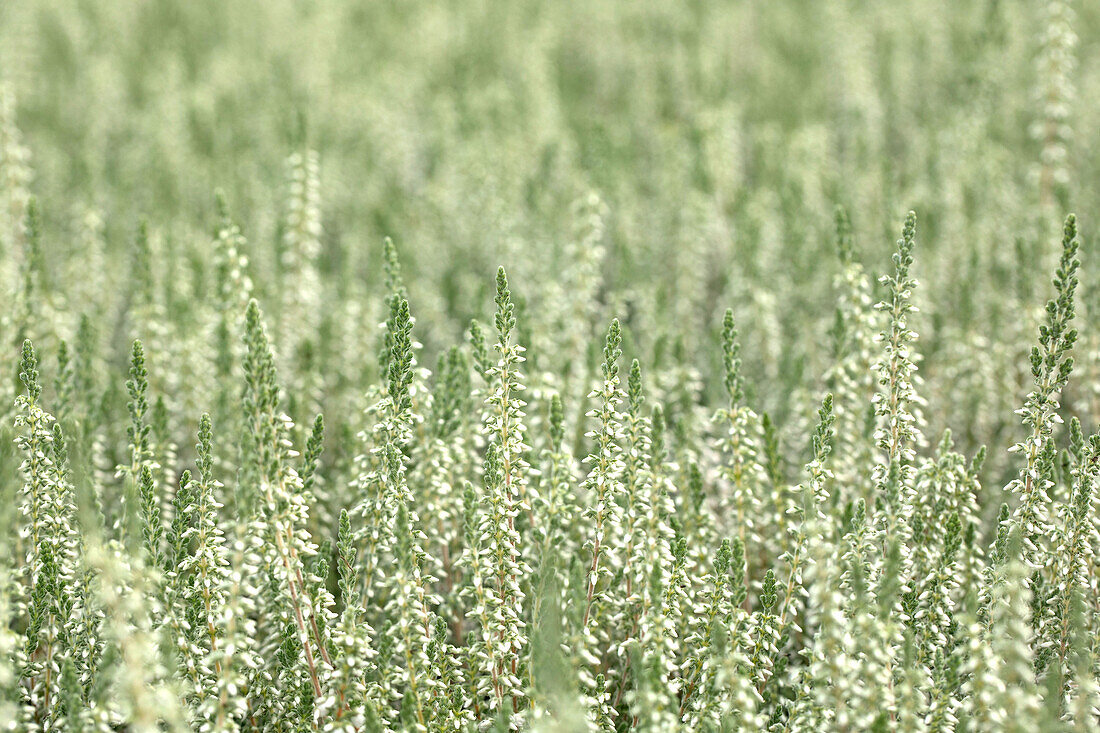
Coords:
28,370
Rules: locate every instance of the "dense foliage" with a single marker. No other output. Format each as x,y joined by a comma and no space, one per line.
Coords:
283,449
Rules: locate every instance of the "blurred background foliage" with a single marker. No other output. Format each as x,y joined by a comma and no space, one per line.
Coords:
669,158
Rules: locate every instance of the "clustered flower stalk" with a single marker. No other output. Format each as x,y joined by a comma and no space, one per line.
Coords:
1051,365
605,511
741,470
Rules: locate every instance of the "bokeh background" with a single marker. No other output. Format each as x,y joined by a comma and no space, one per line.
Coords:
657,161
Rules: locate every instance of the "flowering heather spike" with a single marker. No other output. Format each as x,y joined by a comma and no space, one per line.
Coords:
1050,368
395,294
714,616
500,542
150,511
506,311
1075,555
348,564
935,611
741,502
177,535
766,632
141,455
812,523
635,398
282,514
257,405
731,355
208,566
637,481
605,510
28,372
314,448
382,477
399,375
51,545
509,527
347,685
480,350
898,430
611,350
409,608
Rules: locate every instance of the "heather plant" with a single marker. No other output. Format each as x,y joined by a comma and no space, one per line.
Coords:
549,367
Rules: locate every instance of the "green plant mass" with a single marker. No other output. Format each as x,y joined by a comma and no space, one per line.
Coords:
549,365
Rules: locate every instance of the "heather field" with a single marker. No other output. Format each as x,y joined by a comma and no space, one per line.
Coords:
561,366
